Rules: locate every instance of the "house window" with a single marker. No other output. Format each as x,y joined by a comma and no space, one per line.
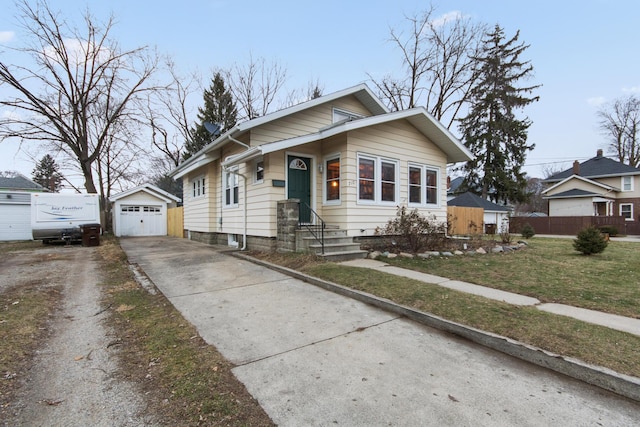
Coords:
258,171
423,185
230,180
627,183
626,211
377,180
332,179
343,115
198,186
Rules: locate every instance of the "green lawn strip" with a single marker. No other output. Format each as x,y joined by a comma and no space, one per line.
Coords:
562,335
192,384
549,269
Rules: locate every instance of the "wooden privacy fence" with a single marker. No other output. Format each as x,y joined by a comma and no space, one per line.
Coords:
175,222
465,221
566,225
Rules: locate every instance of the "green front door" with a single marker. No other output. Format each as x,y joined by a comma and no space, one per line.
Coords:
299,185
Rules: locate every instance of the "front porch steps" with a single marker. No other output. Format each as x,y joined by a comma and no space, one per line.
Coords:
338,246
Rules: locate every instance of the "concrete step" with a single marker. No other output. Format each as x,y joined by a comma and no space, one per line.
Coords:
330,247
344,255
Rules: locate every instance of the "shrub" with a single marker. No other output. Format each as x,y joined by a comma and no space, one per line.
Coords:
414,231
590,241
609,229
505,234
527,231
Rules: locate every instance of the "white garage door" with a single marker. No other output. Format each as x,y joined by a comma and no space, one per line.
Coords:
15,222
136,220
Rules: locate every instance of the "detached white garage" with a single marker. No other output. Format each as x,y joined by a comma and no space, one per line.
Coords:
15,216
142,211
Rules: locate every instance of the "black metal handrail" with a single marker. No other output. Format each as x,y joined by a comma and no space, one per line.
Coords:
316,225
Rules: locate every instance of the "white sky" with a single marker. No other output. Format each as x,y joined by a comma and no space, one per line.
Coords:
583,52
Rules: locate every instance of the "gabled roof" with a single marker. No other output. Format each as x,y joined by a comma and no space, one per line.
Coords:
149,189
597,167
418,117
572,194
583,179
19,182
202,157
470,200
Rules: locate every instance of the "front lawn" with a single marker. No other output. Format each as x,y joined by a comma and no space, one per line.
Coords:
550,270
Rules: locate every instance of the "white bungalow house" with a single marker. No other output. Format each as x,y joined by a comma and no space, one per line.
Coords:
343,159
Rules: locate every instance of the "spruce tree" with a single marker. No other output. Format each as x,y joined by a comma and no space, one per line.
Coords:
47,174
491,130
219,108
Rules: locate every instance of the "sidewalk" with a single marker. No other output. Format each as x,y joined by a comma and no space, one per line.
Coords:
620,323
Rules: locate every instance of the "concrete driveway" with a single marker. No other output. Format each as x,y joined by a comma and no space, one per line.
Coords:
312,357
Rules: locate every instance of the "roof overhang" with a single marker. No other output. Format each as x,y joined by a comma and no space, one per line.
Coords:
149,189
418,117
583,179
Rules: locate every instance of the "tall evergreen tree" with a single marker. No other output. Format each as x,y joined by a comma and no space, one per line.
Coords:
491,130
47,174
220,108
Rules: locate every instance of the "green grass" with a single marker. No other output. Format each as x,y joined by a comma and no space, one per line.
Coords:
550,270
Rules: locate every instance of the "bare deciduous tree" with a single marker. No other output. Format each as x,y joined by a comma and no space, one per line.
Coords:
438,58
81,85
620,123
168,116
255,86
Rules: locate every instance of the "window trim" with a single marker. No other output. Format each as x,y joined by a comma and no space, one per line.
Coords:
325,194
377,180
630,211
235,195
198,188
622,189
256,162
424,169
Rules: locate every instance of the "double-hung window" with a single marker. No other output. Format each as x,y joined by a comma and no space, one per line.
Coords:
230,179
197,186
423,185
626,211
627,183
377,180
332,180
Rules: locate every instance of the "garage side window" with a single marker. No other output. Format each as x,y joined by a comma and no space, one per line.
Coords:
198,186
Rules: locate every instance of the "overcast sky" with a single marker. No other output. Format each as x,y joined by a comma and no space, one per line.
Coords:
584,53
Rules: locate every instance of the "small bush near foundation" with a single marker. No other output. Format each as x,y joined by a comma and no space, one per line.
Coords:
590,241
527,231
413,231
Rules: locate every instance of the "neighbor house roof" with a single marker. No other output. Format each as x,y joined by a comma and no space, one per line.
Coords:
470,200
583,179
149,189
596,167
18,182
572,194
418,117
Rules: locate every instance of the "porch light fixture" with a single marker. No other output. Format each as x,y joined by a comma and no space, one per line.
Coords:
320,168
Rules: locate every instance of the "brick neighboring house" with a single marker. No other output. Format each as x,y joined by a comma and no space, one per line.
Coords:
597,187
